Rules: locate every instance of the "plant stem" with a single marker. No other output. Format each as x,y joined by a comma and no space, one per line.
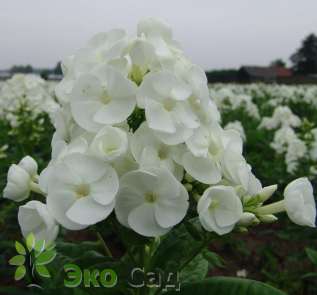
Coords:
117,231
36,188
106,249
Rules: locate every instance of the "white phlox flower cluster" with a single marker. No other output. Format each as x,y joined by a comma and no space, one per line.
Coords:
286,141
229,98
25,91
282,117
139,136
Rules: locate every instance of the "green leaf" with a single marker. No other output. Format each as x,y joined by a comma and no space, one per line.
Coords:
214,259
10,290
195,271
309,275
42,271
30,241
175,249
20,248
17,260
192,229
312,255
227,286
45,257
20,272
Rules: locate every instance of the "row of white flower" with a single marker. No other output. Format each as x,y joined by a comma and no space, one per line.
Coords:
99,165
282,122
27,91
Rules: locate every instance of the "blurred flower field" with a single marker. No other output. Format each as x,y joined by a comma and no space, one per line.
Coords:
279,124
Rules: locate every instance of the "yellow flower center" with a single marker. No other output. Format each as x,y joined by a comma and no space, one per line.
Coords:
150,197
169,104
105,98
214,204
82,190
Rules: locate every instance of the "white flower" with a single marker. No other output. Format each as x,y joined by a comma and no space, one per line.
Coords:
283,117
29,91
61,149
167,110
81,191
207,147
102,97
66,128
19,179
295,151
142,56
237,126
102,48
300,203
151,202
149,151
109,144
34,218
219,209
237,171
159,35
282,138
313,150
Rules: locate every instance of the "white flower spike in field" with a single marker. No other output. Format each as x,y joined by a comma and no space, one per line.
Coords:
135,116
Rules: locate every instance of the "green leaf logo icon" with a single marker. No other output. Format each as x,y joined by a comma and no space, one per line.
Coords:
45,257
17,260
39,246
20,273
39,255
42,271
20,248
30,241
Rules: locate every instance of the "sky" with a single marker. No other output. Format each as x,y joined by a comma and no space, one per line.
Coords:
214,33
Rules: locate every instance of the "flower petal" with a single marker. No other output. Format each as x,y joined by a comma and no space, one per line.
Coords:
85,211
142,220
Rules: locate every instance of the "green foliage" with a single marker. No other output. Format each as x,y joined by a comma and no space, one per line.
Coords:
312,255
195,271
228,286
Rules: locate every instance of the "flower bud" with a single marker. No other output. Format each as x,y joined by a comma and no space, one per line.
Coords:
188,187
269,218
267,191
29,165
189,178
18,184
247,219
